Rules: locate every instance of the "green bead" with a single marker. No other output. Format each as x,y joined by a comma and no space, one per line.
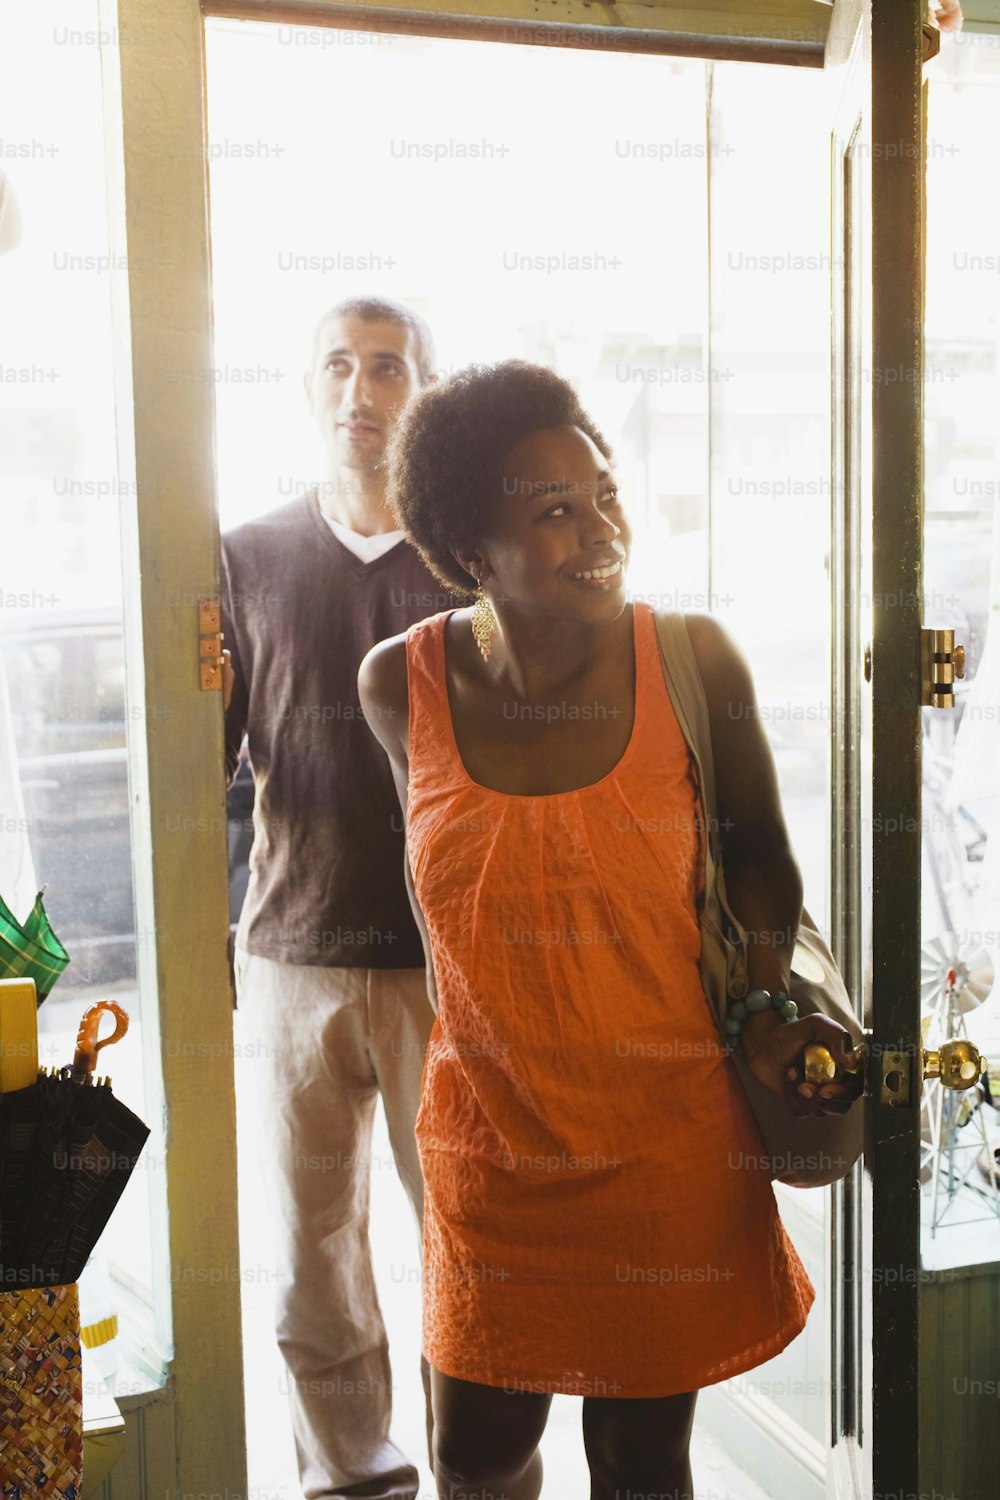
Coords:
758,1001
789,1010
733,1027
739,1010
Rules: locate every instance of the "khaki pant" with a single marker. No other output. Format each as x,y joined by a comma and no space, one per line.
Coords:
325,1042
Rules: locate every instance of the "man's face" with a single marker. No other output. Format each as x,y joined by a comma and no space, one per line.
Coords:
363,376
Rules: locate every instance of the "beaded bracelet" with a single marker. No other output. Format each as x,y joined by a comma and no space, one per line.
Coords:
755,1003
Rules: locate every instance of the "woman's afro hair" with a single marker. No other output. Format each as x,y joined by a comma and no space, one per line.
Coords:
447,453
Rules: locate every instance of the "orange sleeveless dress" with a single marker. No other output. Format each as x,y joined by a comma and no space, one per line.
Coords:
596,1218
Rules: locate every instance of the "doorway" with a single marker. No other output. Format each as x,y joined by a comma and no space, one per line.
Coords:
631,232
169,380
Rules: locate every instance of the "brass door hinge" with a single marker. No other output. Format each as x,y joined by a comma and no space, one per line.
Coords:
941,661
210,645
931,42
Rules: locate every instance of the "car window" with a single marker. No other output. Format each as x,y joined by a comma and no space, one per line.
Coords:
67,691
109,683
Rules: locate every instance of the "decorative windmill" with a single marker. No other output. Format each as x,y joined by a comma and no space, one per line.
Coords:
956,978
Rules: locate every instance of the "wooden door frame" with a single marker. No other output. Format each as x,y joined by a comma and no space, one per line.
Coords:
793,32
192,1432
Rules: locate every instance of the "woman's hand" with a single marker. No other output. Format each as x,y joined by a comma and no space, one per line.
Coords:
776,1058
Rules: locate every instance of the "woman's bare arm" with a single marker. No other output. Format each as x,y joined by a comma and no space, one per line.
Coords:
762,878
384,694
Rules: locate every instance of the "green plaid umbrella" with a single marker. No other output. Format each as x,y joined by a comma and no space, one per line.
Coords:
30,949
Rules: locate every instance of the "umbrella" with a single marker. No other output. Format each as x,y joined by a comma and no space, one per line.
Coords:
30,948
67,1149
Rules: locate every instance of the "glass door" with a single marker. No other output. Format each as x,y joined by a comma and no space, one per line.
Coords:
960,915
875,59
769,553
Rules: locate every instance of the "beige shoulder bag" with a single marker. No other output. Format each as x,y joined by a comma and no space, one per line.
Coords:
816,1150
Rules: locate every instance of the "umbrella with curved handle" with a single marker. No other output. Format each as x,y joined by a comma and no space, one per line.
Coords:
87,1044
67,1149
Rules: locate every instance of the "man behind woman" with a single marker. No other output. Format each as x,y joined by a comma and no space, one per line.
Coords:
333,1003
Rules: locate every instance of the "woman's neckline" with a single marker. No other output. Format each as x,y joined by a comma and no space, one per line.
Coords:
575,791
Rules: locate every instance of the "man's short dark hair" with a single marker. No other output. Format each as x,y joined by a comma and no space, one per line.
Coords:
447,452
384,310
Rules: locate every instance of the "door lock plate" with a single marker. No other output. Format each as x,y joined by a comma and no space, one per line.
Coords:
894,1084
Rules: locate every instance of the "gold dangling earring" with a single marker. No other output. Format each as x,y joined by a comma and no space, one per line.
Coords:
484,622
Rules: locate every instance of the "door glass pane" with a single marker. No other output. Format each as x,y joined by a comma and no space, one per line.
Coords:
961,745
63,707
770,460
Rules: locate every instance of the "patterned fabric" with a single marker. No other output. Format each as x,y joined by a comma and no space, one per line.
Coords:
598,1212
30,949
66,1153
41,1395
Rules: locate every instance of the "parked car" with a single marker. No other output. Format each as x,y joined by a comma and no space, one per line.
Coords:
66,681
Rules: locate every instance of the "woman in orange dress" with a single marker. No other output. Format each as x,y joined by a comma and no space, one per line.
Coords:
598,1218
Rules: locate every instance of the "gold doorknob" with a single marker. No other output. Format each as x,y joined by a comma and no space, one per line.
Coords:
956,1063
820,1067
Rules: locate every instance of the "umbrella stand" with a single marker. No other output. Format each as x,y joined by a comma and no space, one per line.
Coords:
67,1148
41,1379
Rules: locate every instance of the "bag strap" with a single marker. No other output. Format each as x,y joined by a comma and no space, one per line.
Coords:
687,694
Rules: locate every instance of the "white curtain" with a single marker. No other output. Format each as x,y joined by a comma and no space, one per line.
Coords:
17,873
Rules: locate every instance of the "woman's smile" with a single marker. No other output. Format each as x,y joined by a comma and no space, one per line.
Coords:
604,578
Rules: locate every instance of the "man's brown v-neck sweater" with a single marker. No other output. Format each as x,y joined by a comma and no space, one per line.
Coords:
299,613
